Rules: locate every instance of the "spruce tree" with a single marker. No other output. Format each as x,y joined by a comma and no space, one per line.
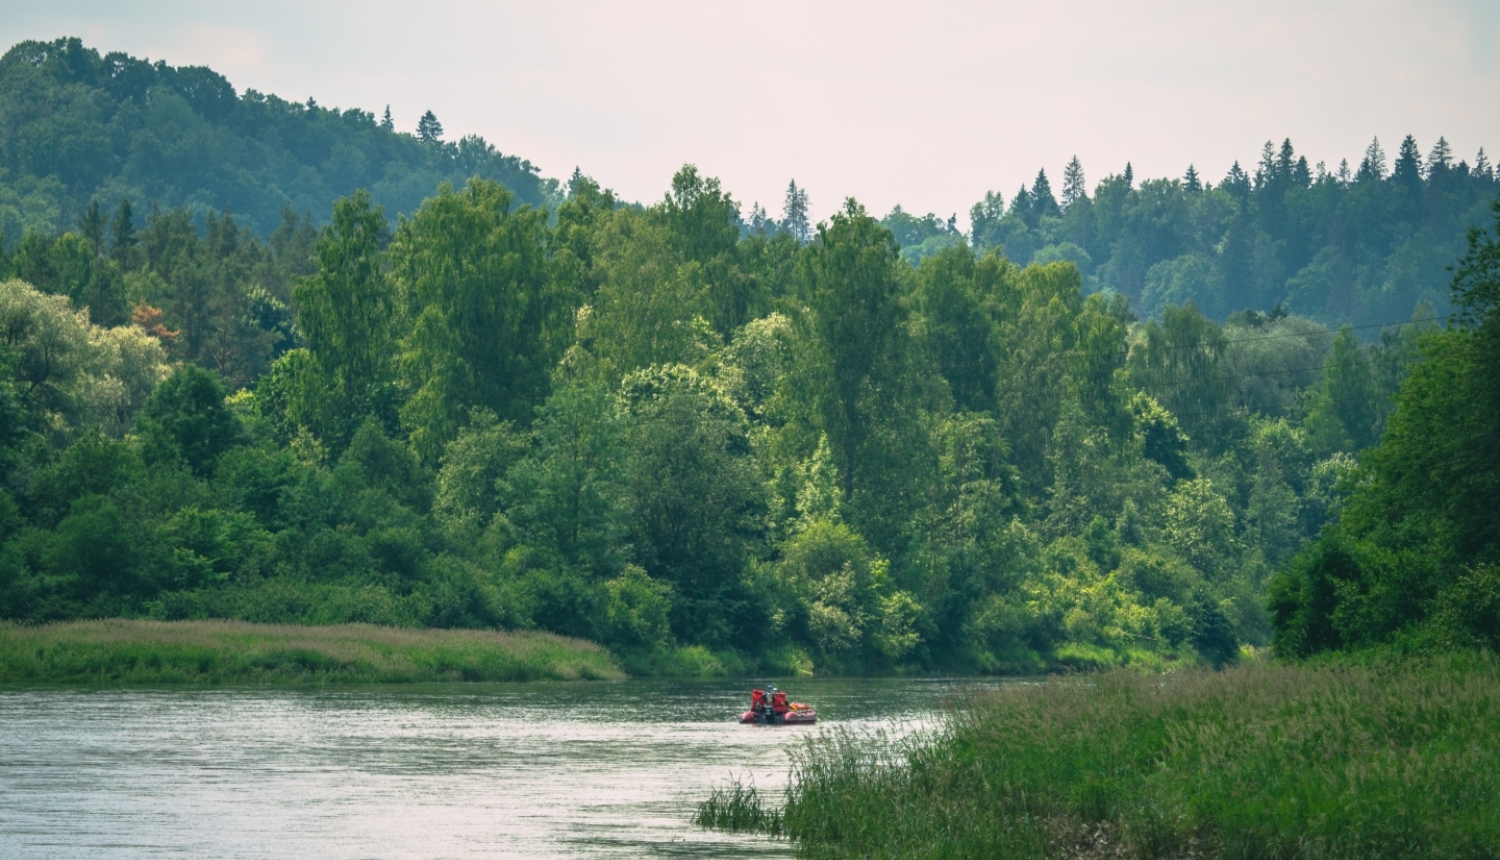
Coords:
1237,183
1020,206
1408,168
1074,187
1042,201
123,227
1441,157
1482,167
91,225
1190,180
1286,160
1129,176
1265,171
1301,175
386,122
1372,166
429,130
794,213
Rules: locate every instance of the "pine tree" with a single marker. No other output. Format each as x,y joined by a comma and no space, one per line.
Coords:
1190,180
1129,175
794,213
1344,175
1042,201
1372,166
386,122
91,225
123,228
429,130
1074,186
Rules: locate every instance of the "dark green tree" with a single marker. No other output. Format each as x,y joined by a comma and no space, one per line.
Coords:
187,422
346,313
429,130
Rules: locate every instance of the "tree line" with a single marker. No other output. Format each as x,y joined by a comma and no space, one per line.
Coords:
654,427
76,126
1344,244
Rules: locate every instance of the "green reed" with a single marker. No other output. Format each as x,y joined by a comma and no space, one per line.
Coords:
168,652
1260,761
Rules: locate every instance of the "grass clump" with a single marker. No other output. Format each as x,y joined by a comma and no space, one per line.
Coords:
1261,761
123,651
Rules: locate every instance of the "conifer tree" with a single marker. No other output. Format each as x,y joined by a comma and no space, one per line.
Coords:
1482,167
1286,159
1042,201
1237,182
429,130
1301,175
1372,166
386,122
91,225
123,227
1408,167
1020,206
1129,175
1441,157
1074,187
1265,171
794,213
1190,180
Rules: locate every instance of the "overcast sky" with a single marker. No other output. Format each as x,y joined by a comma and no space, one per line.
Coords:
926,104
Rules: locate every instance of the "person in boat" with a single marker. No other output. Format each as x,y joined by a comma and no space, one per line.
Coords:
769,705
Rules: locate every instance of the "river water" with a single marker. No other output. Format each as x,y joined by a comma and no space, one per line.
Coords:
599,769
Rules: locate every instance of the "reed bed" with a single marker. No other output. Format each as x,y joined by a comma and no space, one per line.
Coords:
1261,761
173,652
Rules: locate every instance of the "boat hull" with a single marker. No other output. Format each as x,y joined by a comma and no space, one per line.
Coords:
799,717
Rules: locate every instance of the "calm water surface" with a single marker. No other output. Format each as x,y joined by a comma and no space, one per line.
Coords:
521,770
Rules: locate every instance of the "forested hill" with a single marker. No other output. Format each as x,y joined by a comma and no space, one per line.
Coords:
1334,243
77,127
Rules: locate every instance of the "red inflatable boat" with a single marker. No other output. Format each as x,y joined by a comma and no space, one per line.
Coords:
770,707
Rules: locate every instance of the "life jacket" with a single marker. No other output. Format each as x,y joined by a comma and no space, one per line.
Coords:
757,698
778,702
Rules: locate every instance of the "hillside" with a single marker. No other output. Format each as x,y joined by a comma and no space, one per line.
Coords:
76,126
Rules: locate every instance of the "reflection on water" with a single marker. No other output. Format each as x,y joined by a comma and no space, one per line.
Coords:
522,770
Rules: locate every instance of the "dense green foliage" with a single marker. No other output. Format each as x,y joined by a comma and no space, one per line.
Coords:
232,652
634,425
1258,761
708,441
1413,557
1335,245
76,127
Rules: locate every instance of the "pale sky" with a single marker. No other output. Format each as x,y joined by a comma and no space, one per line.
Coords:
924,104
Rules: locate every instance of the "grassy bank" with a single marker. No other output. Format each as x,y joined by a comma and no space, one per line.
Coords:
213,652
1256,762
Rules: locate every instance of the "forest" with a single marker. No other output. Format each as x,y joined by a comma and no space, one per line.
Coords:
1143,424
76,126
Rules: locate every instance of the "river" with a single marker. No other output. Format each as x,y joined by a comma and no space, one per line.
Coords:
567,770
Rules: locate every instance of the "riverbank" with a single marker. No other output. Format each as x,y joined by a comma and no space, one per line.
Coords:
1330,761
120,651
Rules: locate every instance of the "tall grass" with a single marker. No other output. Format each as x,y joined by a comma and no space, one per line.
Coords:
166,652
1256,762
